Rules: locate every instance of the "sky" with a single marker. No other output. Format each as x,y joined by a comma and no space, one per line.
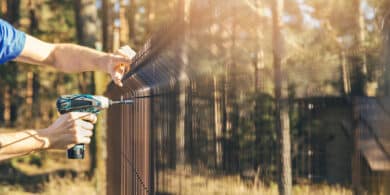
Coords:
306,10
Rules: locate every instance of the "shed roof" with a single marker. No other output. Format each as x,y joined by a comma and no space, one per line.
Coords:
374,129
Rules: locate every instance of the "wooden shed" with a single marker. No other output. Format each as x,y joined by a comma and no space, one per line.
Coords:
372,137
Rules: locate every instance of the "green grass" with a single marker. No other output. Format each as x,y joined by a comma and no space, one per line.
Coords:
180,181
186,183
178,184
69,186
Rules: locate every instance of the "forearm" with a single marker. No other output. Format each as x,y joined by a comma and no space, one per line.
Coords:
72,58
21,143
69,129
63,56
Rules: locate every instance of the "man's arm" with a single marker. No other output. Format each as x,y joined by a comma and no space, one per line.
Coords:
21,143
69,129
73,58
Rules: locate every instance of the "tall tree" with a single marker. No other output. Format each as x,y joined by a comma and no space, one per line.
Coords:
359,87
184,85
282,125
101,79
86,20
359,62
225,119
107,25
130,14
386,52
258,64
3,8
86,33
234,91
217,124
124,23
13,12
12,15
32,99
258,58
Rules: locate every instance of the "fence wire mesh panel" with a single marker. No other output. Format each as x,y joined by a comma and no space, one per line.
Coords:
211,107
153,78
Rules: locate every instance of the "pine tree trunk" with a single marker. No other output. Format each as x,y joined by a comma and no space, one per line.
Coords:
29,84
345,74
33,82
258,63
359,66
86,20
107,25
217,125
13,12
86,30
13,17
281,105
359,88
188,126
183,11
386,46
124,23
361,36
101,79
3,8
224,121
7,105
29,95
99,171
232,94
132,10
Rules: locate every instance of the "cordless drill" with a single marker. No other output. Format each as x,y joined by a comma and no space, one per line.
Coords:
84,103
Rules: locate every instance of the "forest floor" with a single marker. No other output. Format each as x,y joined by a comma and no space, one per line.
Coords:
171,182
186,183
50,173
53,177
45,173
174,183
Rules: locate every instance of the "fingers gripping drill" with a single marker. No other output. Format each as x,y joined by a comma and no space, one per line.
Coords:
84,103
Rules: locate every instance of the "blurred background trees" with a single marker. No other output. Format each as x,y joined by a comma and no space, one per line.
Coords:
253,65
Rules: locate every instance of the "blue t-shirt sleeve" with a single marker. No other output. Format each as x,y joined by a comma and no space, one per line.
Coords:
11,42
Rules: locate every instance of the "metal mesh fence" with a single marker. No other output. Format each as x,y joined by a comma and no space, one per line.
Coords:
200,111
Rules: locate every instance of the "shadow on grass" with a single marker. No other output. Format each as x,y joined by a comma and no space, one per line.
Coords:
31,183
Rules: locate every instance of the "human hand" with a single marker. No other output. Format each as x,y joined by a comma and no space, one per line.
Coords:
70,129
119,63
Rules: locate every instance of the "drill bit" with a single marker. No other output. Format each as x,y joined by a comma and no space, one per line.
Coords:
121,101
